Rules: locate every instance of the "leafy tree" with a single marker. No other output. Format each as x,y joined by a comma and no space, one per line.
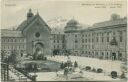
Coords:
13,58
62,65
114,74
65,64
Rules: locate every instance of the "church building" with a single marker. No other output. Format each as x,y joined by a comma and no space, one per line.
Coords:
35,33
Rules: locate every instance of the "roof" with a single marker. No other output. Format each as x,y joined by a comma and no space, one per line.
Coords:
10,33
121,22
110,23
25,23
72,22
72,31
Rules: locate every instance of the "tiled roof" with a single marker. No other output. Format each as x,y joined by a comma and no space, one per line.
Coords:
10,33
25,23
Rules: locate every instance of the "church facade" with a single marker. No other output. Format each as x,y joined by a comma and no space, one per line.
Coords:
105,40
36,34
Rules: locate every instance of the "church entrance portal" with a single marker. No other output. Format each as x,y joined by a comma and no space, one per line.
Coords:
38,50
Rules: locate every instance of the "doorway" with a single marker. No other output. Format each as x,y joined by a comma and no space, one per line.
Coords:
38,50
113,56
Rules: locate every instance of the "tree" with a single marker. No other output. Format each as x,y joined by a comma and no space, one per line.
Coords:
13,58
65,64
62,65
2,55
114,74
75,64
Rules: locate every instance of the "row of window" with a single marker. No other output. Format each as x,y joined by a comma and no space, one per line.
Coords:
13,40
58,46
11,47
75,35
58,36
102,34
58,41
103,39
96,53
87,46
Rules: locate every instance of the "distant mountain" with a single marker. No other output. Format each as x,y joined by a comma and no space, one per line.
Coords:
57,24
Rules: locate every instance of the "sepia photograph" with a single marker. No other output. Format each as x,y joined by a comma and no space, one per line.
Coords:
63,40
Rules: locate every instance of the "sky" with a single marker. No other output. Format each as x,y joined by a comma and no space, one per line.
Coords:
86,12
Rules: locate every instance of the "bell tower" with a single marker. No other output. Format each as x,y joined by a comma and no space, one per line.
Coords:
29,14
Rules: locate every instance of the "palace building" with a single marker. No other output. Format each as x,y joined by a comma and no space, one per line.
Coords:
105,40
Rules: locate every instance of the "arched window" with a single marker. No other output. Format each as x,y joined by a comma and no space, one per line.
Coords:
82,40
76,41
